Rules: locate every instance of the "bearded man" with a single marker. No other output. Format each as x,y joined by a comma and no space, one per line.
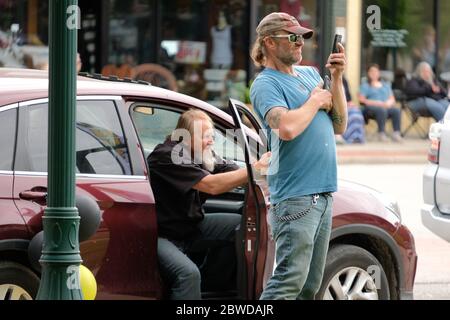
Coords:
183,170
291,103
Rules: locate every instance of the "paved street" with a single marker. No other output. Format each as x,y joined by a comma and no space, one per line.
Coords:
404,183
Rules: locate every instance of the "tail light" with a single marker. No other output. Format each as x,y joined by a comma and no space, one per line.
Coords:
435,139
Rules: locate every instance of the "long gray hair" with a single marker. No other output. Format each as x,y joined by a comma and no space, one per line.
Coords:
188,125
187,122
420,67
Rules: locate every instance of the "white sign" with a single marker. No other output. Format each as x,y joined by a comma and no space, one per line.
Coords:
191,52
389,38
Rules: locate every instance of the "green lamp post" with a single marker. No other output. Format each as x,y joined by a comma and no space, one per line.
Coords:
61,258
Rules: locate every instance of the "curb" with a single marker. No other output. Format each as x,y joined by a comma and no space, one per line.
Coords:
391,160
413,153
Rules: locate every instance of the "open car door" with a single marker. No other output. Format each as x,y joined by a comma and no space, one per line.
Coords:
257,246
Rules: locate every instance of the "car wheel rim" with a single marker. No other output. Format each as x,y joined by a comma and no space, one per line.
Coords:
351,284
13,292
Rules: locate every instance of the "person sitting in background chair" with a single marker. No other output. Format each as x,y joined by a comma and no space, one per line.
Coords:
379,103
426,94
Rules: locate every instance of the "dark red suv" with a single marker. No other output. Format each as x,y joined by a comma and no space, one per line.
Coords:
372,254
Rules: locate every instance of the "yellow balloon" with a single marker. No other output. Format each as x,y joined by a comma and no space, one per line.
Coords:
87,283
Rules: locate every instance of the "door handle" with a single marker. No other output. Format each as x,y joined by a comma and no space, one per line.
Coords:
36,194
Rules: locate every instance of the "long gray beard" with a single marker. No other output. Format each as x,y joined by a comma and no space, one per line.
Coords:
205,159
208,160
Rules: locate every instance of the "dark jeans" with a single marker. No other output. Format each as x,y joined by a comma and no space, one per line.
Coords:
436,108
178,269
382,114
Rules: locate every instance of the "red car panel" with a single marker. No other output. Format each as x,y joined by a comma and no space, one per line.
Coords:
122,255
12,225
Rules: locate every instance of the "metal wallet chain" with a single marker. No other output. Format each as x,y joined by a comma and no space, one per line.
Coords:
301,214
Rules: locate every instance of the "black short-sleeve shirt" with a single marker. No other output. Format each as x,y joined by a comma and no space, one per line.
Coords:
178,205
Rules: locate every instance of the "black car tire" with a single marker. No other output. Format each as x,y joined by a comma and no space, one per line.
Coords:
350,257
18,277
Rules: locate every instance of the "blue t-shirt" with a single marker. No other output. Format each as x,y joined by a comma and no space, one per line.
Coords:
307,164
378,94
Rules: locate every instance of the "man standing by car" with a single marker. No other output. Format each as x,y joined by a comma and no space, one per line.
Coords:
182,170
291,102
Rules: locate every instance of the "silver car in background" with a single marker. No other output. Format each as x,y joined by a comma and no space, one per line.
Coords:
436,180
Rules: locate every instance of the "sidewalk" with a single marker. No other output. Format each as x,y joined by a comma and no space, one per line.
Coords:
410,151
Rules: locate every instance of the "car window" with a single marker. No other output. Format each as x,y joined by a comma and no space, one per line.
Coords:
226,146
7,138
100,141
155,127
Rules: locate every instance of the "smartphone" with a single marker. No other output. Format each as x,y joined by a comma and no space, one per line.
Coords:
335,49
337,39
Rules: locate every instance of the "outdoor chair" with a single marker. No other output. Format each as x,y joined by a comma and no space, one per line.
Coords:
414,117
398,87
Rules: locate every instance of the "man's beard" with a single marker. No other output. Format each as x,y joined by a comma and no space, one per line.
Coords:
208,160
289,59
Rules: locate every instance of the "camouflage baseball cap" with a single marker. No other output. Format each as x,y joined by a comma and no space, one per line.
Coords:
277,21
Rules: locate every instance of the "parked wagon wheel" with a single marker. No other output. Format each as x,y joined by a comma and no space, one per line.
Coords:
157,75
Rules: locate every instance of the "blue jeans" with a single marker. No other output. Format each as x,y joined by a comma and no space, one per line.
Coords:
301,229
382,114
437,108
178,270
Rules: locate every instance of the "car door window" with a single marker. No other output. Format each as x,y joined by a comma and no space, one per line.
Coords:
7,138
156,124
153,127
100,142
101,145
227,147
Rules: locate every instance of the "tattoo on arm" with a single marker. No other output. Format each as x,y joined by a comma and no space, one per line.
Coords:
336,117
274,117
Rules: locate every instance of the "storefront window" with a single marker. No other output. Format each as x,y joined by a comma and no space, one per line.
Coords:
407,35
205,45
306,12
23,33
130,35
